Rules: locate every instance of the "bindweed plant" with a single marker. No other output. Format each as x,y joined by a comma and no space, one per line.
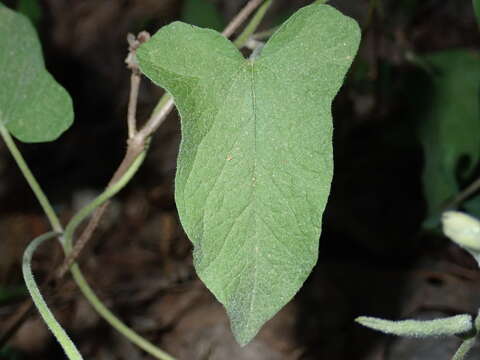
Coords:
255,162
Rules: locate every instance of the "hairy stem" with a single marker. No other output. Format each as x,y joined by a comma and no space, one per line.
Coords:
160,112
464,348
113,320
57,330
135,79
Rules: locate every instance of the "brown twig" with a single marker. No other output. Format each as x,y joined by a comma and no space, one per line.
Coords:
241,17
135,79
132,153
157,119
462,196
14,322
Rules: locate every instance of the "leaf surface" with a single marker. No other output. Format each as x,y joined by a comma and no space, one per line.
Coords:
33,106
255,162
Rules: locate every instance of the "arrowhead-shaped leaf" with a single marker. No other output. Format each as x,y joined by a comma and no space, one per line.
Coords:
255,162
33,107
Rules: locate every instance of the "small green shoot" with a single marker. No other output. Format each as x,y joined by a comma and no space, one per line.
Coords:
455,325
57,330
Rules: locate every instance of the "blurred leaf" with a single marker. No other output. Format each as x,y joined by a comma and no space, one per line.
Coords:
9,293
7,353
476,9
202,13
31,9
472,206
255,163
450,129
33,106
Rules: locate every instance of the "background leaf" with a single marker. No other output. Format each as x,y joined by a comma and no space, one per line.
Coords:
9,293
255,163
450,128
476,9
33,107
31,9
202,13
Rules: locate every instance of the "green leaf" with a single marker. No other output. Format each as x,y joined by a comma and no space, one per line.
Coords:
202,13
454,325
449,132
255,162
33,107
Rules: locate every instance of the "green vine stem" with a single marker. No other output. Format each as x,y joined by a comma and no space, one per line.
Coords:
42,307
464,348
99,200
86,290
113,320
37,190
80,279
57,330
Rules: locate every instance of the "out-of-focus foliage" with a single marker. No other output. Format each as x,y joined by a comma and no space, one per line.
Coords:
8,353
476,8
449,130
9,293
31,9
202,13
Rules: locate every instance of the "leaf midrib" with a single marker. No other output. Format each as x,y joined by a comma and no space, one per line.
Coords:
254,179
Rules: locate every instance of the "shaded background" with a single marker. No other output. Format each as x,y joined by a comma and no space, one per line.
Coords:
381,251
